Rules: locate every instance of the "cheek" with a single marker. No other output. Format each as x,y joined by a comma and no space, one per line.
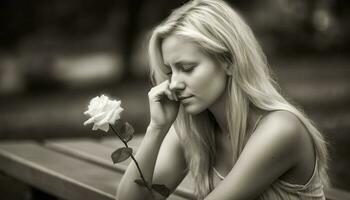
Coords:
209,85
215,88
207,94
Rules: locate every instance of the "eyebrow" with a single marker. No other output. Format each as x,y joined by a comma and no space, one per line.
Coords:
179,63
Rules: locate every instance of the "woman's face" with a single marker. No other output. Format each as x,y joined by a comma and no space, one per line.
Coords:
198,80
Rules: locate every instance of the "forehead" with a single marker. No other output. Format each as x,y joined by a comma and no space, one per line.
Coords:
176,48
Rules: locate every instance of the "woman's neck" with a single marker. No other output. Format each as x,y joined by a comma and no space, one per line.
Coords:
253,116
218,110
219,114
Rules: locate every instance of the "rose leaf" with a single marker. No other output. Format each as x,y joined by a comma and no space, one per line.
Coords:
119,125
121,154
127,132
140,183
161,189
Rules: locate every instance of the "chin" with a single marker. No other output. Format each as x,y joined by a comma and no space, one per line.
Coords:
193,109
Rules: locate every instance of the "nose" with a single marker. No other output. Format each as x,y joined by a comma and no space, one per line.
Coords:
176,84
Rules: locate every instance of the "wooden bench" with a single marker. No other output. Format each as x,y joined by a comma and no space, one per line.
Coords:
81,169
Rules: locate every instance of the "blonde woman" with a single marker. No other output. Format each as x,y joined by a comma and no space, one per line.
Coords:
233,132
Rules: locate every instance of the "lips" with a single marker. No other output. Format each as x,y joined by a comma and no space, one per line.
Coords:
184,98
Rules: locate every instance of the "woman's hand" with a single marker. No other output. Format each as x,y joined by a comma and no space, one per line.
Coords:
164,106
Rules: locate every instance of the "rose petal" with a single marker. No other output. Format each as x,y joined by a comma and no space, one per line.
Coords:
104,127
116,115
102,122
89,121
103,111
99,116
103,103
112,115
92,106
94,128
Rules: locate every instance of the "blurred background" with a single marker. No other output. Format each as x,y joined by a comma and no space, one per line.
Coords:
56,55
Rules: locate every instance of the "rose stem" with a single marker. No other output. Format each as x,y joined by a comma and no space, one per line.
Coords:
133,158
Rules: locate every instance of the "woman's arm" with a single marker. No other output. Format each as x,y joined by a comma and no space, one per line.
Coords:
171,167
163,111
168,167
270,152
146,157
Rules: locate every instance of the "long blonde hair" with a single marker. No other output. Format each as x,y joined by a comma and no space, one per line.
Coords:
220,32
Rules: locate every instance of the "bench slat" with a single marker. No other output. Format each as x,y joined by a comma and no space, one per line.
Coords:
95,152
87,149
55,173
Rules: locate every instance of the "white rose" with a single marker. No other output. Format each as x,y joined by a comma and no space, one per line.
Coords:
102,112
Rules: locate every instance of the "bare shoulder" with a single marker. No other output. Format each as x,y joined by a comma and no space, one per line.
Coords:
281,130
282,123
288,139
275,146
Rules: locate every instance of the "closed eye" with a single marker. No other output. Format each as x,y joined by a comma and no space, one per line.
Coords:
187,68
169,73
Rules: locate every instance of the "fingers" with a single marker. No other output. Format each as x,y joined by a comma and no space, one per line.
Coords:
162,90
174,95
169,94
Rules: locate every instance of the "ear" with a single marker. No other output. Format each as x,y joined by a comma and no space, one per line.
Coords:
228,68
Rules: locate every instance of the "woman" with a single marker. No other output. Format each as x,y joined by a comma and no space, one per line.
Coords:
233,132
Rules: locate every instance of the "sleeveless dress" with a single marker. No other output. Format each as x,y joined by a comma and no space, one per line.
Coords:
283,190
